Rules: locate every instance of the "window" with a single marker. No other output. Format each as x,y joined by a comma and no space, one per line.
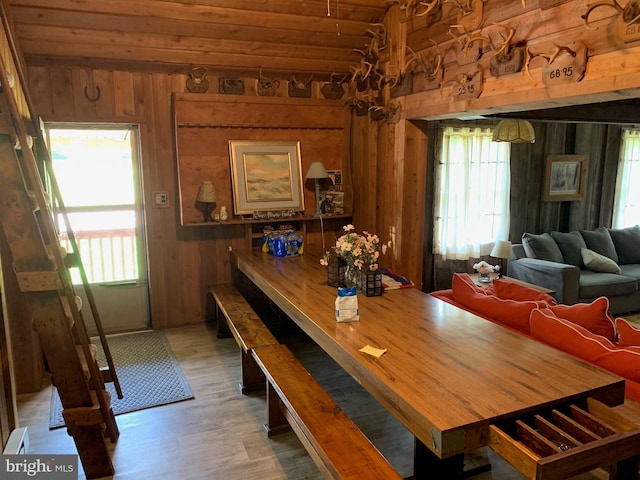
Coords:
472,197
96,169
626,207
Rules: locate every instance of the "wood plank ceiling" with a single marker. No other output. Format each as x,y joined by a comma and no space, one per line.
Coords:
293,36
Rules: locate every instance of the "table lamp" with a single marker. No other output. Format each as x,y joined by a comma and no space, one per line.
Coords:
317,172
501,250
207,195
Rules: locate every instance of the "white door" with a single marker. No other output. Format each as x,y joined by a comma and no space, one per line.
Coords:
97,170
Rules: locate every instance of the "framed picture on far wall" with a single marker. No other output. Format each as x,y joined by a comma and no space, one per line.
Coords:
565,178
266,175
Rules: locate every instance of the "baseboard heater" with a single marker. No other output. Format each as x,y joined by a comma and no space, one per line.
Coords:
18,442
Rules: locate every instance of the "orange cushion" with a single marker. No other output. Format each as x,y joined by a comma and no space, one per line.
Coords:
628,335
512,291
462,285
511,313
593,316
580,342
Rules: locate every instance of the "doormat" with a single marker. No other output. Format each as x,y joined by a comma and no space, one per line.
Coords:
148,372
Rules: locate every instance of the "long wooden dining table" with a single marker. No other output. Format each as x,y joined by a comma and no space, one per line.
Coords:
447,374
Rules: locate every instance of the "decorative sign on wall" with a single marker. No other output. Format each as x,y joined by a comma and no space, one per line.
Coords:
565,65
468,86
231,86
197,81
333,89
422,83
403,87
629,32
431,68
507,63
300,89
266,87
627,22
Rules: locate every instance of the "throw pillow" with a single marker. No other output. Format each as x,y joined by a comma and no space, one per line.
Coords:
570,245
542,246
626,242
507,290
463,286
628,335
599,263
593,316
600,242
579,342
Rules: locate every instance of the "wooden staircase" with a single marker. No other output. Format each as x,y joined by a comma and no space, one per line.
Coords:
43,277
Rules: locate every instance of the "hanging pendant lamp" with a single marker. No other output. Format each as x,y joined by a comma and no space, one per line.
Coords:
514,131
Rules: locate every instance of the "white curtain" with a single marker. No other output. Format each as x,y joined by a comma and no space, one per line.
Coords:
472,200
626,208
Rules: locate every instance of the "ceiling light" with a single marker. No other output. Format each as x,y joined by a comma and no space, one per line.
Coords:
514,131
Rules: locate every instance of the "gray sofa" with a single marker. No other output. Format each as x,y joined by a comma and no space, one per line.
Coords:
581,266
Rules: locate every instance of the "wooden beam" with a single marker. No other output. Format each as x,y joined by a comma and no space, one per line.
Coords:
141,10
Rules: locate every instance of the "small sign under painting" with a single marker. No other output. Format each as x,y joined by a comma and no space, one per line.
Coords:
273,214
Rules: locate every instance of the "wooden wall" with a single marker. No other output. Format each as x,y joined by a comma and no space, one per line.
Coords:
184,260
611,65
388,160
542,27
529,213
206,123
8,386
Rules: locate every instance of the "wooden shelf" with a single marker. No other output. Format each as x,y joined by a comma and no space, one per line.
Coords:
307,225
245,221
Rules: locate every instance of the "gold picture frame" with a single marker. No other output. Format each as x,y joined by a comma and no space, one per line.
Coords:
565,178
266,175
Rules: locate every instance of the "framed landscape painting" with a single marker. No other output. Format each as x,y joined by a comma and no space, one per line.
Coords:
565,178
266,175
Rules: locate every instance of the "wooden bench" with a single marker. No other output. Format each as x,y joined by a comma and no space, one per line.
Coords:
296,400
248,330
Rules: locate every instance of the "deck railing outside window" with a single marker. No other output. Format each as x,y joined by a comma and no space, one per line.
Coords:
107,255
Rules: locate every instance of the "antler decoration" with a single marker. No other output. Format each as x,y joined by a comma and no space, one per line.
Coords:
630,13
409,8
379,35
466,39
401,71
267,86
361,104
462,80
504,48
430,68
388,111
338,78
549,56
361,72
428,8
466,7
300,85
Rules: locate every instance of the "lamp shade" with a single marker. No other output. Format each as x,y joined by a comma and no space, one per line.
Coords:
317,170
514,131
501,249
207,193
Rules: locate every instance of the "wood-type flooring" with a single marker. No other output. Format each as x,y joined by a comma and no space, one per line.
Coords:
219,434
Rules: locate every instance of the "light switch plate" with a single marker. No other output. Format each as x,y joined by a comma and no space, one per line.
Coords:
160,199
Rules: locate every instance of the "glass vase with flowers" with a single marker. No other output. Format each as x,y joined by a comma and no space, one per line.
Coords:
360,251
485,270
